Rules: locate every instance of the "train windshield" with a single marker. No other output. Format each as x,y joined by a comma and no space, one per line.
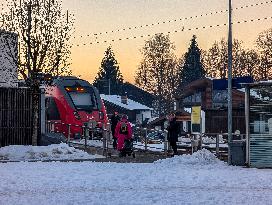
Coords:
82,98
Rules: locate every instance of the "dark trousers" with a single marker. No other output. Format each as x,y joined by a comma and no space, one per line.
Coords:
114,140
173,144
114,143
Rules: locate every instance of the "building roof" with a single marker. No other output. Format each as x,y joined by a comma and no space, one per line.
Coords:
131,104
216,84
137,94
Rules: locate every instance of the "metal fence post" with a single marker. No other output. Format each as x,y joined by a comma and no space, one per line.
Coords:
104,140
145,139
92,128
69,134
165,142
85,137
217,145
192,143
200,141
108,133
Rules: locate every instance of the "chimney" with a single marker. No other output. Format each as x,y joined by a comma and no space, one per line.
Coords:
124,99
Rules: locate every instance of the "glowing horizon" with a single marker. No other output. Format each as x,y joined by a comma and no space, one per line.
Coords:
95,16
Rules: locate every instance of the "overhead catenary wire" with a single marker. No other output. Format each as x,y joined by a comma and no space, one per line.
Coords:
175,20
175,31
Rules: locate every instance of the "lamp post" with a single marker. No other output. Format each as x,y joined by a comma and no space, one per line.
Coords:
230,81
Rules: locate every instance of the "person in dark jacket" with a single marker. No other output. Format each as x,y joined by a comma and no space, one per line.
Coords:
173,132
114,121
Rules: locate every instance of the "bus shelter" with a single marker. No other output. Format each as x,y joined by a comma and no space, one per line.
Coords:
258,111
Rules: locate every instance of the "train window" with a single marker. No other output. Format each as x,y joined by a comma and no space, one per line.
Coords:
52,112
83,100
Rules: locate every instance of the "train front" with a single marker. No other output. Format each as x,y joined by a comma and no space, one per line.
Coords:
79,104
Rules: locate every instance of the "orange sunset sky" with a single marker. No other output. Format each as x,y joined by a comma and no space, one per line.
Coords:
95,16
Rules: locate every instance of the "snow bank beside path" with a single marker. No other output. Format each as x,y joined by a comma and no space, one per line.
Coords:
51,152
201,157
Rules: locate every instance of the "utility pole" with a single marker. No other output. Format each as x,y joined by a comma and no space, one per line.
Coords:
230,82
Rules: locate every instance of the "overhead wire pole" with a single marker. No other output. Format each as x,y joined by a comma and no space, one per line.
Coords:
230,82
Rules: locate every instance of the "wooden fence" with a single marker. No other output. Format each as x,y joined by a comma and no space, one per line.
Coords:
15,116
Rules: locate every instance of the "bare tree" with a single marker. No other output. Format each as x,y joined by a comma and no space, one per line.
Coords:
250,63
43,33
264,45
157,72
216,59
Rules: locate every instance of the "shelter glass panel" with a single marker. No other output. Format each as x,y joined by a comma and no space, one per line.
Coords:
260,125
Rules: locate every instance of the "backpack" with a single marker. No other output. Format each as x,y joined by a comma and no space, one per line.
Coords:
123,128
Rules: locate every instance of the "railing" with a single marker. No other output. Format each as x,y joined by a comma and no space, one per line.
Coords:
216,142
87,132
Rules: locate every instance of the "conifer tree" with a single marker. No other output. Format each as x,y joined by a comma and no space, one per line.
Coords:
109,79
192,68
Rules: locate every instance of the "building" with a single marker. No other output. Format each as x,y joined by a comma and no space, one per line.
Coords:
8,59
212,96
135,111
137,94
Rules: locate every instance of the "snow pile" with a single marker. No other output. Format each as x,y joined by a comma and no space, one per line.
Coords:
212,140
205,139
51,152
185,139
201,157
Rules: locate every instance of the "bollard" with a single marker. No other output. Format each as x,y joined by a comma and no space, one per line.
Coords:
69,134
217,145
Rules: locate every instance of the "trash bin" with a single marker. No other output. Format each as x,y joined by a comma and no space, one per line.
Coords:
237,152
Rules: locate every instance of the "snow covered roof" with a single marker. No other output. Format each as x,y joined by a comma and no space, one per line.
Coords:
131,104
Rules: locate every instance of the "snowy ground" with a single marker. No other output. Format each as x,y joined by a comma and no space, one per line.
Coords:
34,153
197,179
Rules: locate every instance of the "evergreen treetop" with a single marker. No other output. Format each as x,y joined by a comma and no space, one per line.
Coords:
192,68
109,77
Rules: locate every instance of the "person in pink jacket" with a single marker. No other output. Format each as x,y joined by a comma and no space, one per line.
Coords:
123,131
